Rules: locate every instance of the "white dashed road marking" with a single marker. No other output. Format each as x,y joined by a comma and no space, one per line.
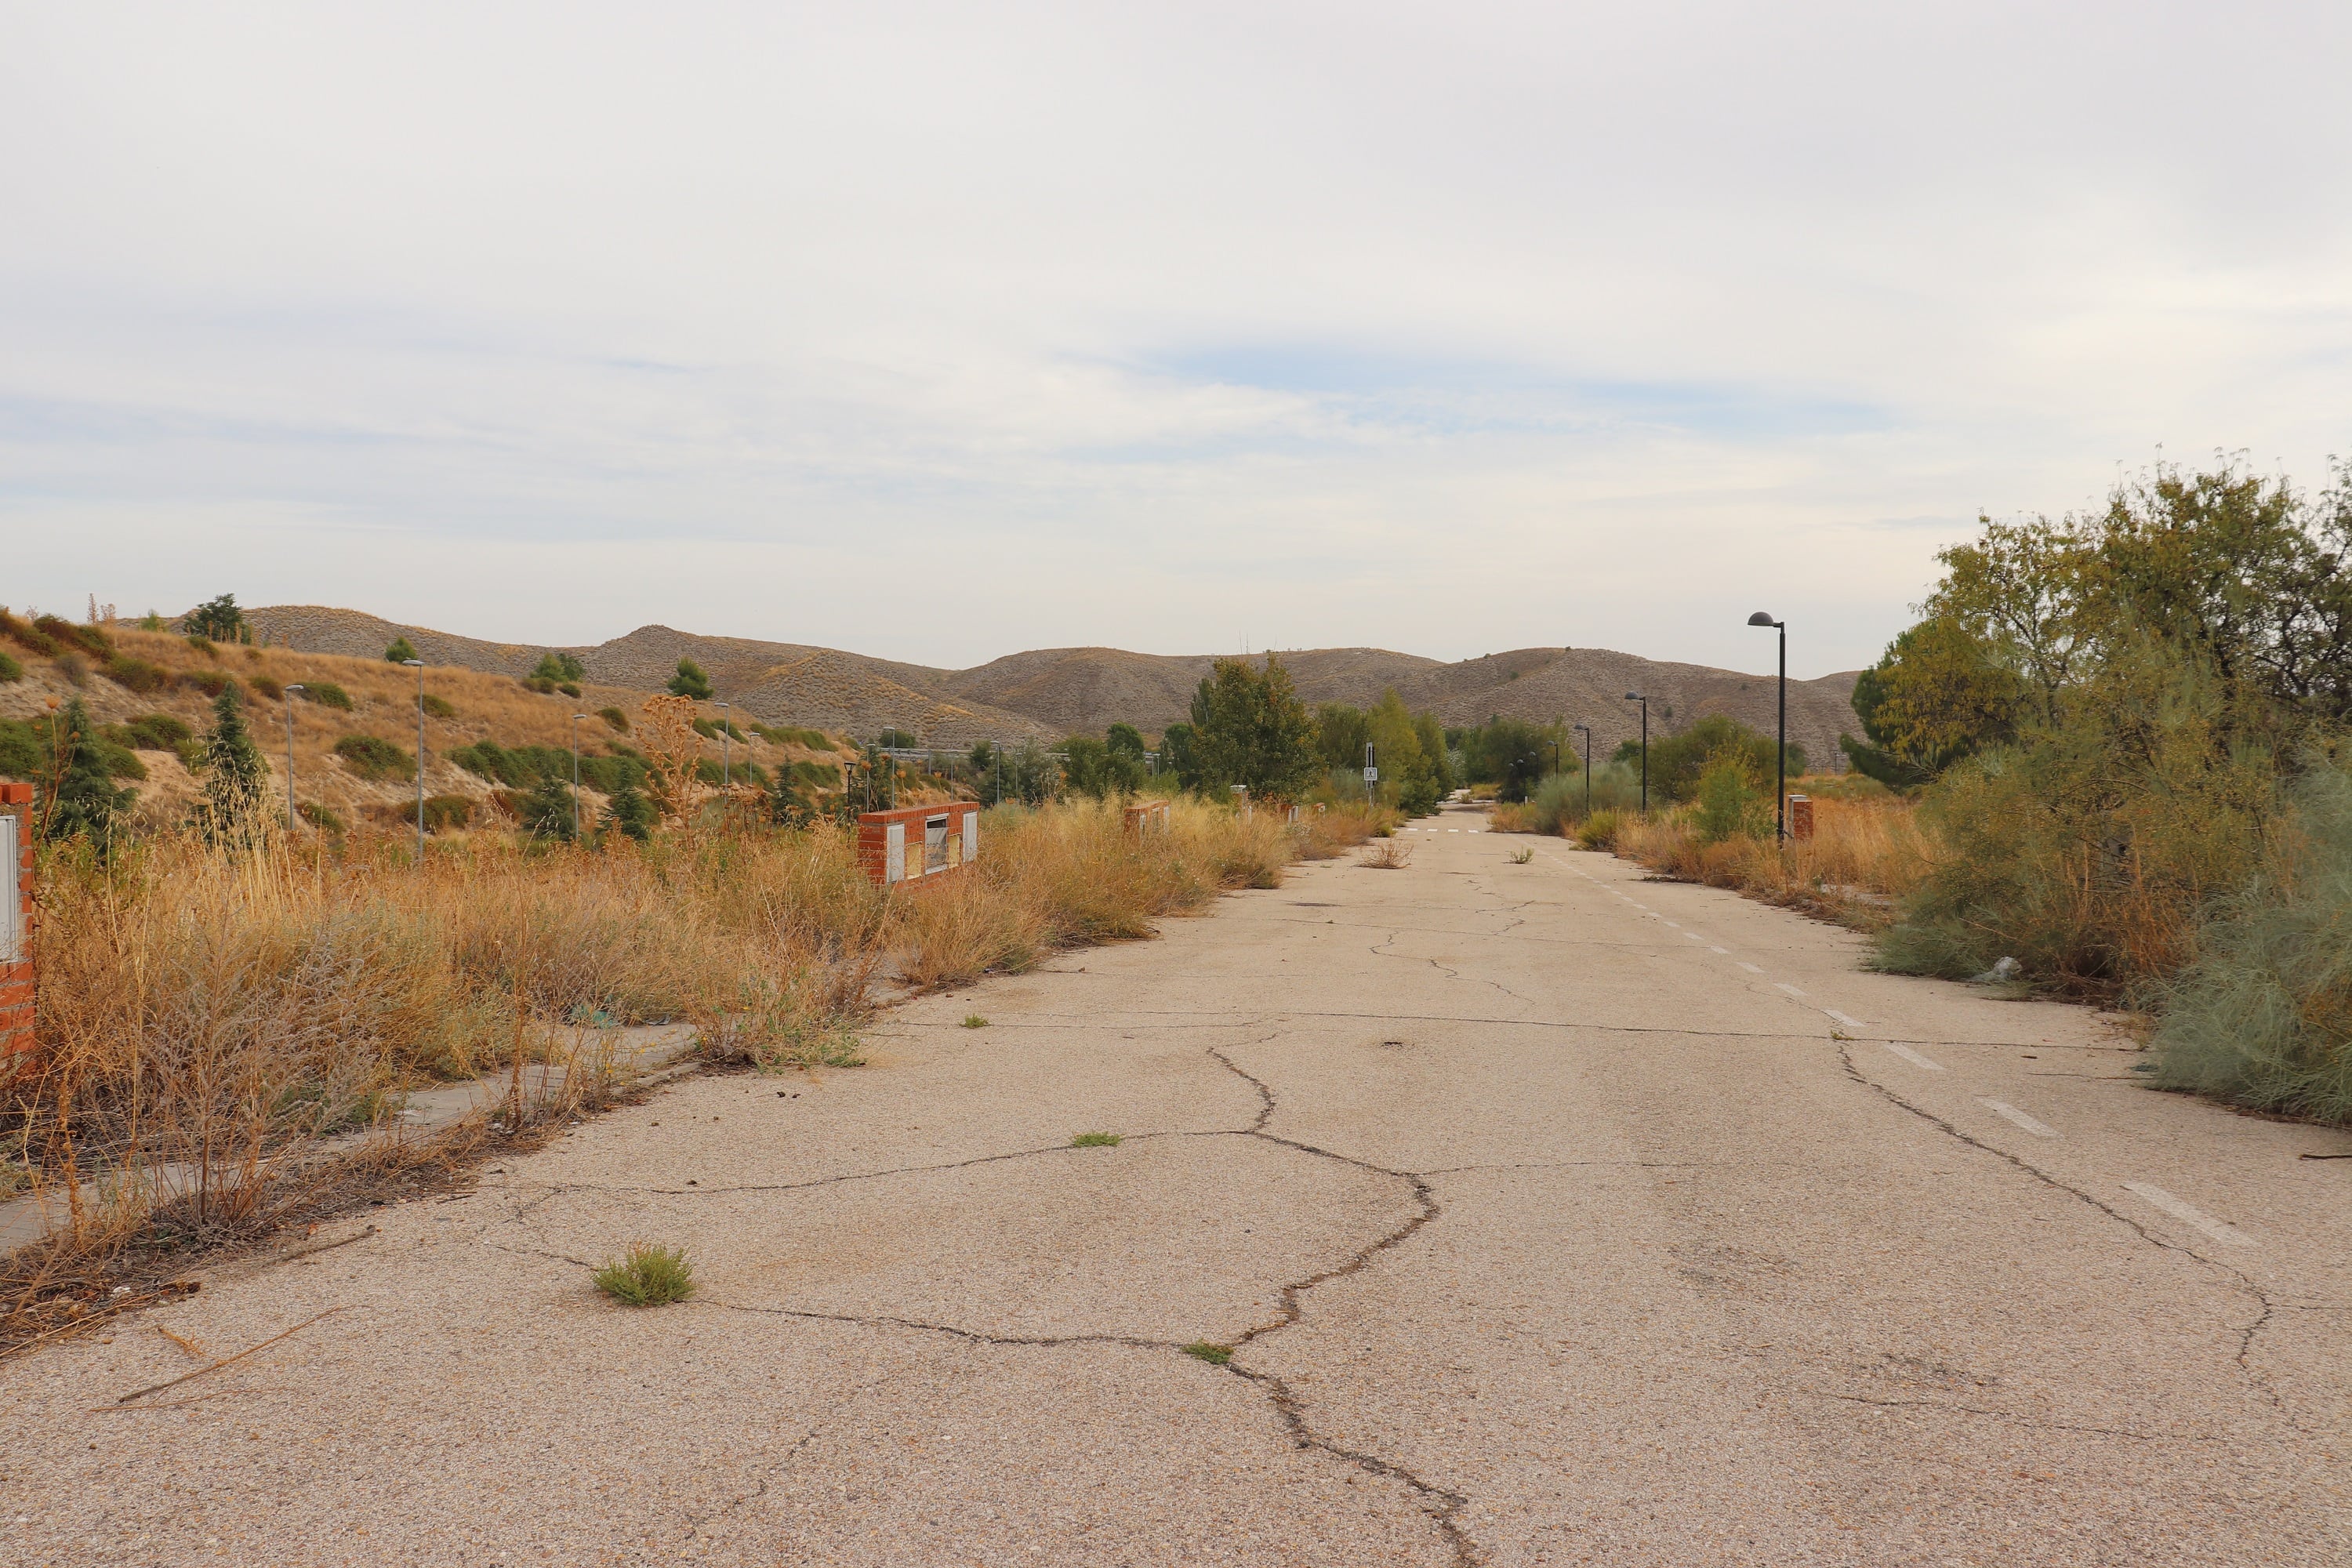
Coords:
1725,951
1838,1017
1914,1057
1784,985
1750,967
2009,1112
2228,1234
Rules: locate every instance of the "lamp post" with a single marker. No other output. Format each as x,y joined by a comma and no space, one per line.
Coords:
1637,697
1588,770
575,775
291,691
418,666
1781,791
1372,773
726,732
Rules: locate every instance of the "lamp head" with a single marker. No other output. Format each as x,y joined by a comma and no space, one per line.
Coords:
1635,697
577,717
1587,729
414,663
296,686
1762,619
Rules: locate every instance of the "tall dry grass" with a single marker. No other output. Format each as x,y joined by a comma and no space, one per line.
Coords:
210,1018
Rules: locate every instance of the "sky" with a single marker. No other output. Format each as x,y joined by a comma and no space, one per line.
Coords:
942,331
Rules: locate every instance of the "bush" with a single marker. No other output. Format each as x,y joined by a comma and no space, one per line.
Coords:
10,669
265,686
157,732
73,667
211,682
647,1276
90,639
373,759
1730,803
22,755
1599,830
318,817
690,681
789,735
439,707
327,694
219,620
136,674
447,812
400,652
547,812
87,802
631,814
2264,1016
615,720
26,636
204,645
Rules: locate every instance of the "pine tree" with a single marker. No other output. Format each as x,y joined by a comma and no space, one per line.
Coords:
631,813
546,811
231,811
690,681
400,652
87,800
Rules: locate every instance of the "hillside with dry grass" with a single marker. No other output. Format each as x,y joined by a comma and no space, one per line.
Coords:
1048,693
347,704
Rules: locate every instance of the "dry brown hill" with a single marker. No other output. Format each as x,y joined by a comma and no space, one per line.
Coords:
1048,693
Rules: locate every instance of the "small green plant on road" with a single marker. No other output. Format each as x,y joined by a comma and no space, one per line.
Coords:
647,1276
1521,857
974,1021
1095,1140
1216,1355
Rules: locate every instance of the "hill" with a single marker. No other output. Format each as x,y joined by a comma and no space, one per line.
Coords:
1048,693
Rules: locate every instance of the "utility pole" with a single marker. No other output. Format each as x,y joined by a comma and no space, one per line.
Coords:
291,691
1637,697
418,666
1780,772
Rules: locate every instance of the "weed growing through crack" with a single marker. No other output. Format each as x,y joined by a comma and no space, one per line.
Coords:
648,1276
974,1021
1095,1140
1216,1355
1388,854
1521,857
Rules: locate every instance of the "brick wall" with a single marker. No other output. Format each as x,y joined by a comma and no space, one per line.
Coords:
1151,816
891,857
17,1040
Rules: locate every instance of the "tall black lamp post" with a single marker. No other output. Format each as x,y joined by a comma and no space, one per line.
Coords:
1780,793
1587,768
1637,697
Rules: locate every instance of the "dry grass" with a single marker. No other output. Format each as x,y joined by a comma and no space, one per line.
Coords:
212,1022
1864,855
1388,854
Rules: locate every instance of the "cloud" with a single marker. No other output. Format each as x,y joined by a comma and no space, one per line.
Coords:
939,332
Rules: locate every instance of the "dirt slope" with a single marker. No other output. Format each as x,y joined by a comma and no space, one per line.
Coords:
1048,693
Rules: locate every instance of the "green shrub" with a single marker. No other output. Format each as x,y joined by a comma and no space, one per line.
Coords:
327,694
400,652
559,668
219,620
630,813
690,681
790,735
204,645
266,686
547,812
22,755
616,720
539,683
90,639
211,682
87,801
1730,803
438,707
374,758
1599,831
156,733
151,622
447,812
647,1276
136,674
712,729
23,634
10,669
318,817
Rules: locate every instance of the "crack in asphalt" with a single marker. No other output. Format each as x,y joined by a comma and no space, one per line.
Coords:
2243,1281
2010,1416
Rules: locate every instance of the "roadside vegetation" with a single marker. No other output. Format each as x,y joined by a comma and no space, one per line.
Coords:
2116,751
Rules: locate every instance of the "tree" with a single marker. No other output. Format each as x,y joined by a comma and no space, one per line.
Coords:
547,811
787,805
1178,757
219,620
84,799
230,811
1249,728
1125,740
561,668
400,652
627,810
1092,768
1512,754
1340,731
1937,695
690,681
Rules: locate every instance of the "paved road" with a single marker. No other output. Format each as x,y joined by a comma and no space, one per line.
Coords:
1555,1214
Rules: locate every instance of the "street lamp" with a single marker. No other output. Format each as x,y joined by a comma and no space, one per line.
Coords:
726,732
1637,697
1780,793
1588,769
1371,773
291,691
418,666
575,775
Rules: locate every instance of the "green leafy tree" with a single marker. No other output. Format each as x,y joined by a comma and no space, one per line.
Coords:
1513,755
86,799
1677,761
231,810
690,681
1125,740
628,812
563,669
1249,728
400,652
547,811
1093,769
1341,729
1937,695
220,620
1177,756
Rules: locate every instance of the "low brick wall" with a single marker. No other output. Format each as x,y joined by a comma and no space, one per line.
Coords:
18,1047
1151,816
918,843
1801,817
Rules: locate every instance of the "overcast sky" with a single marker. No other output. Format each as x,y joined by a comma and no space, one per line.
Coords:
941,332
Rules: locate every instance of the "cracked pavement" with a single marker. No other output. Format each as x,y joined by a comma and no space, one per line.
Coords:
1553,1215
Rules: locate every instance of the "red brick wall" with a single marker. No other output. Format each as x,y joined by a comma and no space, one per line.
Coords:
16,1040
874,837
